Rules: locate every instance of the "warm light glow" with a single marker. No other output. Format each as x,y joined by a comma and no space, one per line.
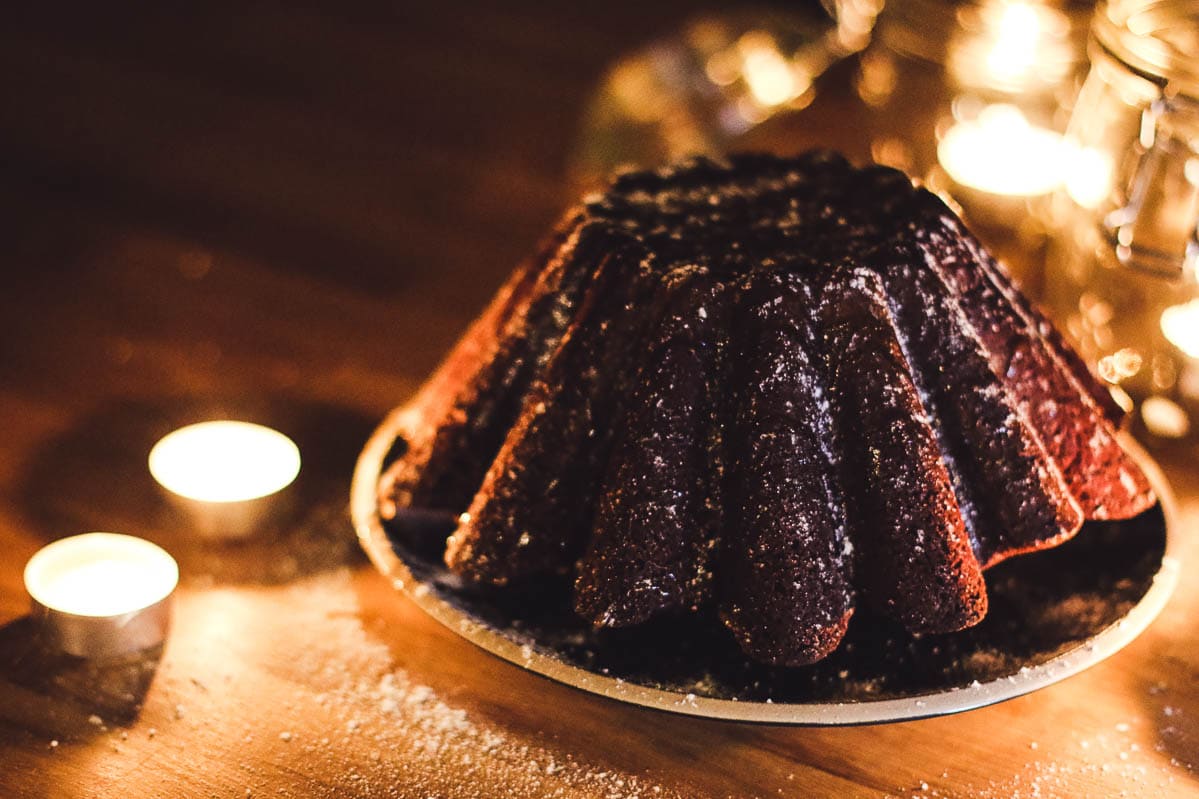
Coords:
999,152
1120,365
1165,418
1018,30
1014,46
772,79
769,78
100,574
1190,171
633,86
1088,175
225,461
1180,325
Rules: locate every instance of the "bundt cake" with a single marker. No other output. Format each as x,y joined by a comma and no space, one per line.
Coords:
776,387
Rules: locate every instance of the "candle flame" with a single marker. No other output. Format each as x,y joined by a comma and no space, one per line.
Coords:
225,461
1013,46
1013,54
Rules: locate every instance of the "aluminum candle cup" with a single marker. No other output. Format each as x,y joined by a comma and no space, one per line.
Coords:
102,594
226,476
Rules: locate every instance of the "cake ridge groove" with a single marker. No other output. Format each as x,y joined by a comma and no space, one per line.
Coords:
656,527
551,446
785,585
914,554
1052,379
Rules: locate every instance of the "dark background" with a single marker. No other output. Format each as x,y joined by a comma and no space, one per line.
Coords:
372,144
404,156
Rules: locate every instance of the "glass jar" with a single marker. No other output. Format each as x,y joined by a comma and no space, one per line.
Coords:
973,98
1121,280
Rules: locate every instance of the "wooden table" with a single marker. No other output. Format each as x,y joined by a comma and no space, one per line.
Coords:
288,214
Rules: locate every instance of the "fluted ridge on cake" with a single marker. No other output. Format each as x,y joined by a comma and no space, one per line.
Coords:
658,516
555,450
459,419
785,580
913,553
1075,428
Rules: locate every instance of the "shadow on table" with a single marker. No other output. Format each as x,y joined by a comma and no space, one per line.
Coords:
65,697
94,476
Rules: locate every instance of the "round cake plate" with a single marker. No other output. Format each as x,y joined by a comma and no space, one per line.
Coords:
1071,630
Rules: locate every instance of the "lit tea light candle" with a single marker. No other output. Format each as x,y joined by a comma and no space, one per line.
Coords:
1165,418
1000,152
102,594
225,472
225,461
1180,326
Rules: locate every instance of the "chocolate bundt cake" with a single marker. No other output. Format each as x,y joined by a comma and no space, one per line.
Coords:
776,387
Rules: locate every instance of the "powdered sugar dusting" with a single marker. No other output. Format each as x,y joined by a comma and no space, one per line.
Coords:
426,739
365,725
1095,763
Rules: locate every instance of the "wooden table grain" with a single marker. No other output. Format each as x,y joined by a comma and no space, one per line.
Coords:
287,214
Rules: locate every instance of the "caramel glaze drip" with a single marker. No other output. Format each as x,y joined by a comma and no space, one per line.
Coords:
774,386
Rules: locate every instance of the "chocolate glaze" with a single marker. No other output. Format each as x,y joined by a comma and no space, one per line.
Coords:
867,408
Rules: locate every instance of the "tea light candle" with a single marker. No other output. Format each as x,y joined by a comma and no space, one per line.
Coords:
1000,152
225,473
102,594
225,461
1180,325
